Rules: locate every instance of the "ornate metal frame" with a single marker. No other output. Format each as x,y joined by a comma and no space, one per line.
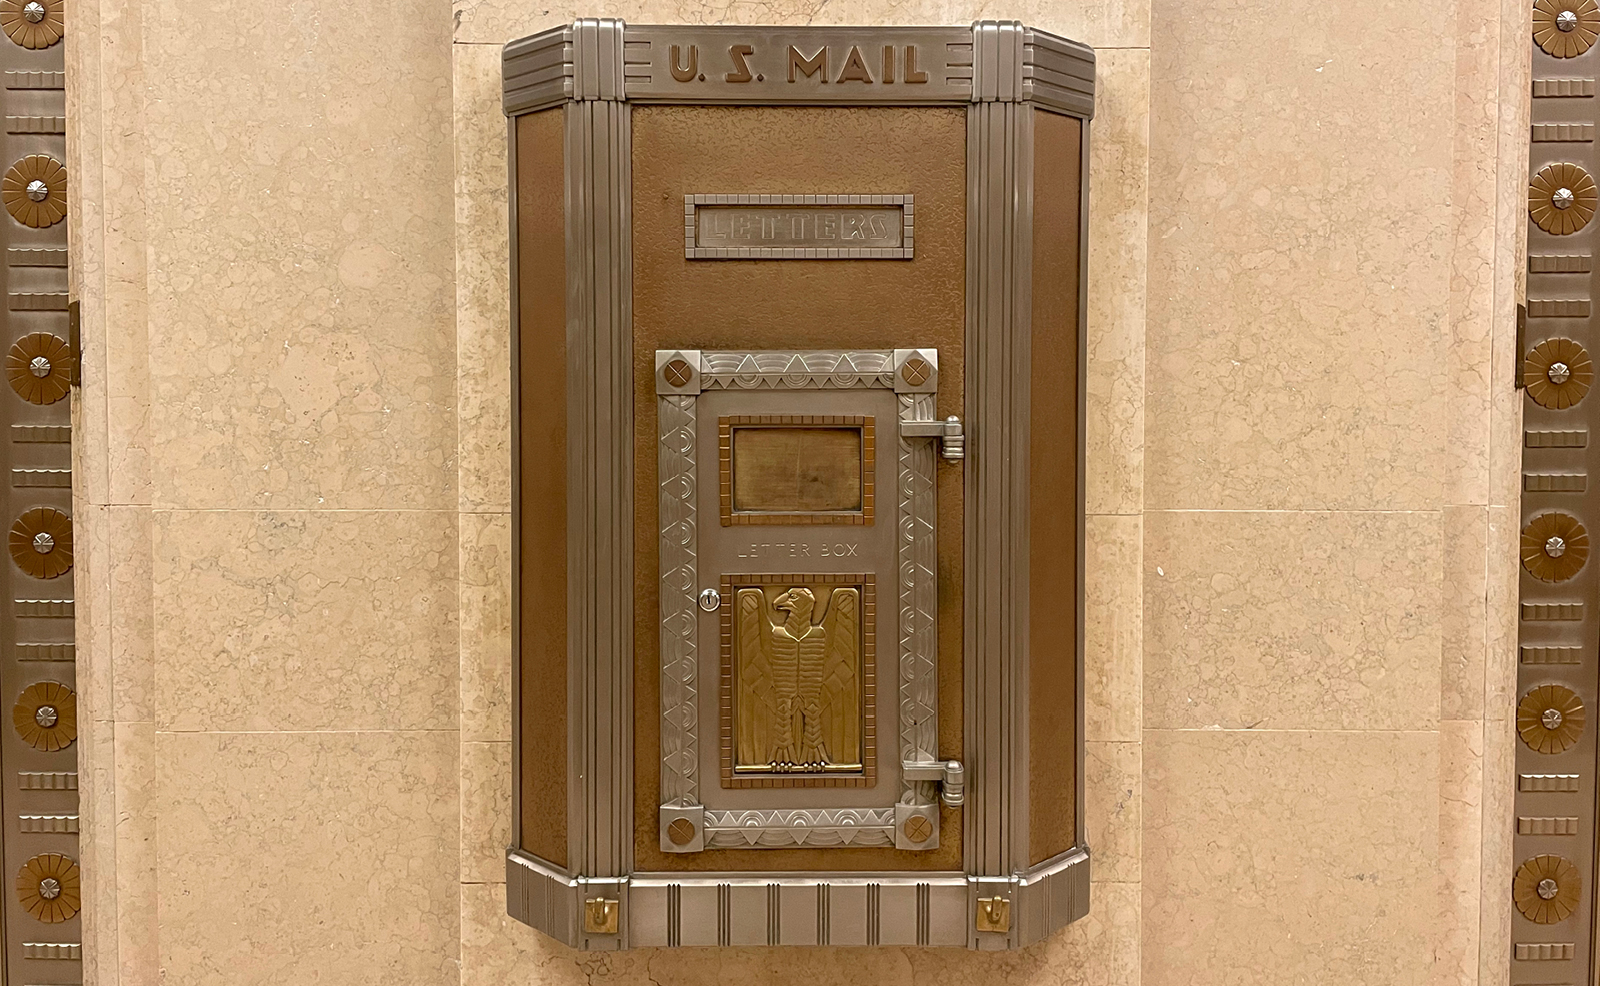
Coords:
680,648
1006,75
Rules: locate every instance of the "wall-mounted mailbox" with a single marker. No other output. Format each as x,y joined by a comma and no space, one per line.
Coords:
798,370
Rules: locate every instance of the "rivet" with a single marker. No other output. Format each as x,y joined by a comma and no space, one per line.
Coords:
1559,373
33,12
46,716
39,367
1552,719
44,543
49,888
1547,889
1563,198
1567,20
38,190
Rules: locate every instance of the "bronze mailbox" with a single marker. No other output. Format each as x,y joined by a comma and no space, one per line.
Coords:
798,360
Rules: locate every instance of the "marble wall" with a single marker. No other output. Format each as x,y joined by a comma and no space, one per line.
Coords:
294,490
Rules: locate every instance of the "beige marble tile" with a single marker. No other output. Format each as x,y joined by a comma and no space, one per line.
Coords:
97,858
1511,247
1113,787
485,811
1279,857
1464,615
1461,783
1101,23
1292,620
1499,824
1119,204
1504,586
485,627
1113,628
1100,950
300,236
1298,290
137,903
483,314
132,636
94,623
311,857
306,620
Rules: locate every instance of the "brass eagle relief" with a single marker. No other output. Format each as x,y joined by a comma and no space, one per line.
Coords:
798,707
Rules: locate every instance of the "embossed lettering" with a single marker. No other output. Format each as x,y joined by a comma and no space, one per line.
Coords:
686,74
741,69
815,65
888,63
912,75
855,69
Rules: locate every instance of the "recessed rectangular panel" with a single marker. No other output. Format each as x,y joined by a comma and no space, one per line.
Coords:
798,227
796,468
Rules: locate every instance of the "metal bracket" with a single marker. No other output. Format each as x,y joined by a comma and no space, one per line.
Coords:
952,441
949,775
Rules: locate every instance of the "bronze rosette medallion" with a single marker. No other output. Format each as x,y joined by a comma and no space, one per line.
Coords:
1561,198
1557,373
37,367
35,191
41,542
32,23
1546,889
48,887
1554,547
1550,719
46,716
1565,28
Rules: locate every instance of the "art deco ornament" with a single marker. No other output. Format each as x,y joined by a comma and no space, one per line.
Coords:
48,887
32,23
1554,547
46,716
41,542
35,190
1561,198
37,368
1546,889
1565,28
1557,373
1550,719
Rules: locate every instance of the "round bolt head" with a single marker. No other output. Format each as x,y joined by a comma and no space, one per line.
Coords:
1566,21
1562,198
44,543
1559,373
1552,719
680,832
33,12
37,190
710,599
1555,547
46,716
49,888
1547,888
39,367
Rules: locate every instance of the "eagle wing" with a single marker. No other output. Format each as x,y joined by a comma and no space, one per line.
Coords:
755,705
841,677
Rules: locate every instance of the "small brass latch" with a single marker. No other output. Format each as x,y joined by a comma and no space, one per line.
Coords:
994,914
600,916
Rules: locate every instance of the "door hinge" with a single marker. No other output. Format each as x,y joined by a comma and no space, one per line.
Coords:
948,774
952,441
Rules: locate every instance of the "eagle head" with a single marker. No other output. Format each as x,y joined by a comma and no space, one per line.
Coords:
798,601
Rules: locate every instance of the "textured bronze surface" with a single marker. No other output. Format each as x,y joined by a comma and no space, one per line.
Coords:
40,382
796,468
24,208
48,887
1554,547
1547,888
800,304
46,716
1550,718
1574,373
798,696
1543,192
41,33
1053,491
542,481
40,558
1570,43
